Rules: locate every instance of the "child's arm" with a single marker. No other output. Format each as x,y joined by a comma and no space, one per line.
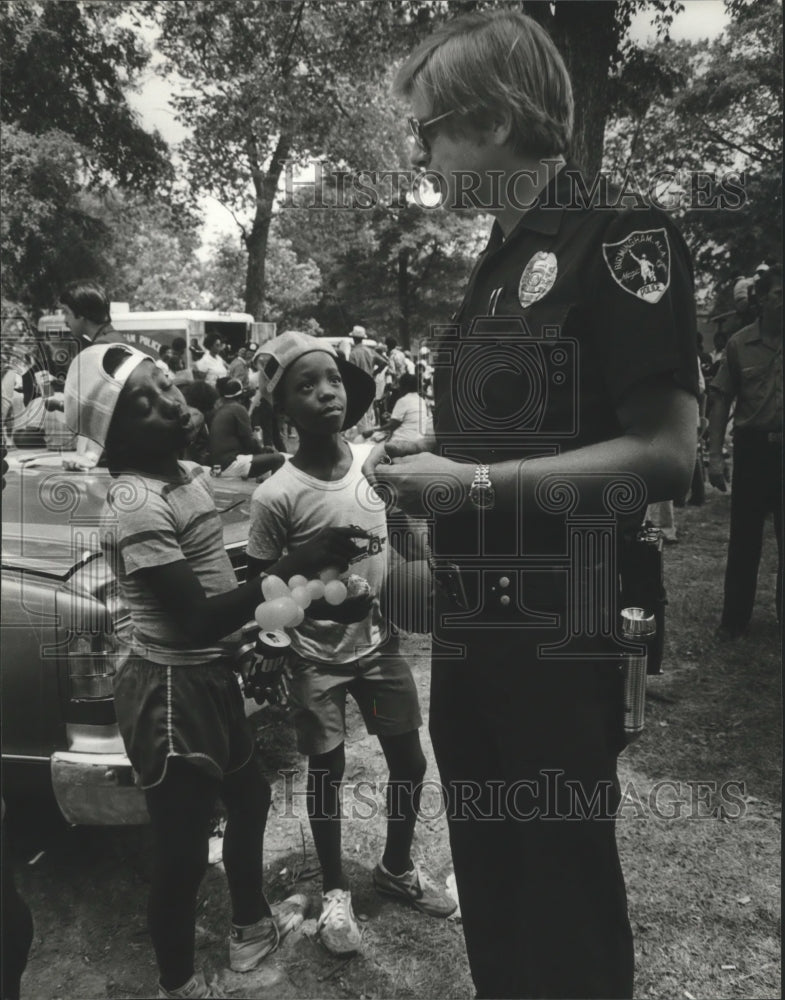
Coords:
267,537
207,619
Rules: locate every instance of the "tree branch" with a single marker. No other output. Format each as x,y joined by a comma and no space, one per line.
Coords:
723,140
295,28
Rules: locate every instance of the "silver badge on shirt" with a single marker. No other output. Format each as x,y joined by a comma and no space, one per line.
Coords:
537,278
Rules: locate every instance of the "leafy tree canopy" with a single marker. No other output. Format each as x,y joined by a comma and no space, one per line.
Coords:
710,112
67,67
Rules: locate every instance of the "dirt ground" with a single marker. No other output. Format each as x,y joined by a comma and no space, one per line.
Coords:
699,836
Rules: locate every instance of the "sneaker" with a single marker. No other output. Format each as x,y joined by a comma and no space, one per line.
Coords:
249,946
195,989
417,889
337,928
290,913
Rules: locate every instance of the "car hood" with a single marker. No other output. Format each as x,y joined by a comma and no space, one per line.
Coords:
50,516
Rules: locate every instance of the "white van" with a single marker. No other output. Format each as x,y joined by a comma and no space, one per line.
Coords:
159,329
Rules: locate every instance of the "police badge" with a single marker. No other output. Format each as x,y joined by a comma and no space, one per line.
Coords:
641,263
537,278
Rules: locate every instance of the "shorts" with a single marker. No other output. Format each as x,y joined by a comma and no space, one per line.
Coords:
381,684
194,711
241,467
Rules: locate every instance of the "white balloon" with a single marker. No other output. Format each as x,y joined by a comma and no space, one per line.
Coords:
298,580
283,610
335,592
266,616
298,619
316,589
329,574
301,596
274,586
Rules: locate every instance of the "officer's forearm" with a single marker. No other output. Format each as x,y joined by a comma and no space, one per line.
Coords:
663,468
657,447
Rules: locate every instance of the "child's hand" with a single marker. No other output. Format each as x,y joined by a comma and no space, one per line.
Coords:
353,609
332,547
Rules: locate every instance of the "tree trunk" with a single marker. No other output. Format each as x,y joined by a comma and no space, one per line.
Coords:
404,335
586,32
265,186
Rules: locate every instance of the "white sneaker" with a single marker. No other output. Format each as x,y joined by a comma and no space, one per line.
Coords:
290,913
337,927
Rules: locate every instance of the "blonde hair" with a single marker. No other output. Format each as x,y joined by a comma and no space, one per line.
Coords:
501,61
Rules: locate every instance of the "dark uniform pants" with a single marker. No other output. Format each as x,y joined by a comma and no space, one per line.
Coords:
526,751
756,492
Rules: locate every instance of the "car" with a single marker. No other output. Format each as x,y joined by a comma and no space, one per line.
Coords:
62,624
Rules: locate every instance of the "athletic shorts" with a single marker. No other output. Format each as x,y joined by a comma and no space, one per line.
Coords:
381,684
195,711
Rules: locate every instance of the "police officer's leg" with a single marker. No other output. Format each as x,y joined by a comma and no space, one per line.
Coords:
747,514
559,750
470,773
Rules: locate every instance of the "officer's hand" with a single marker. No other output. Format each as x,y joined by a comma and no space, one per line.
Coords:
331,548
420,483
383,453
717,473
398,449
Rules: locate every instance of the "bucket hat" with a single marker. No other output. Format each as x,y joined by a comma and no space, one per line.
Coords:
281,352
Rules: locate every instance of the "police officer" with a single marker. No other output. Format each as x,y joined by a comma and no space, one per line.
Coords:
750,373
565,400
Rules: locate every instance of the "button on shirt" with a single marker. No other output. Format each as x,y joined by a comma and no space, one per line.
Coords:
751,372
560,322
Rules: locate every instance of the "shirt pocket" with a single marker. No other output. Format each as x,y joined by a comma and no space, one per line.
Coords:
756,382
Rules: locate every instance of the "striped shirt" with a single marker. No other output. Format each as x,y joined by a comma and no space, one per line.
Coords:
152,522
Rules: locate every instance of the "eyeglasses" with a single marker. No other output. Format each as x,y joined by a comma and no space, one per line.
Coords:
418,129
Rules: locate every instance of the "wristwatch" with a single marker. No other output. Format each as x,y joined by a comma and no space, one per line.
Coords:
481,492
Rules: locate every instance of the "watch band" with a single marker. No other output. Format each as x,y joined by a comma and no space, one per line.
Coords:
481,492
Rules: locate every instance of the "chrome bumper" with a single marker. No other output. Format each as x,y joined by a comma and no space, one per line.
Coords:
97,789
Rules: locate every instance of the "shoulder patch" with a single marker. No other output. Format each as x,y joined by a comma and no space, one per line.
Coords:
641,263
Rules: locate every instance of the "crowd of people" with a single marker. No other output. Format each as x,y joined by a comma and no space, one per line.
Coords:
237,431
518,432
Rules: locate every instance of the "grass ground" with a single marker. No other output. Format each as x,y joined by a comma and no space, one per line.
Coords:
703,876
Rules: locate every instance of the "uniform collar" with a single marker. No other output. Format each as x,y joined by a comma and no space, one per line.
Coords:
102,330
545,215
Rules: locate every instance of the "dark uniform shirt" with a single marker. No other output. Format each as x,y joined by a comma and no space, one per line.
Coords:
559,323
751,372
106,334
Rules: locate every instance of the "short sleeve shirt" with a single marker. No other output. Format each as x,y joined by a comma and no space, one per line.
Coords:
362,356
412,411
212,368
397,363
291,508
149,522
585,300
751,373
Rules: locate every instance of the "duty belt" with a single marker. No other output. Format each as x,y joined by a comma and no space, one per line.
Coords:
499,591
